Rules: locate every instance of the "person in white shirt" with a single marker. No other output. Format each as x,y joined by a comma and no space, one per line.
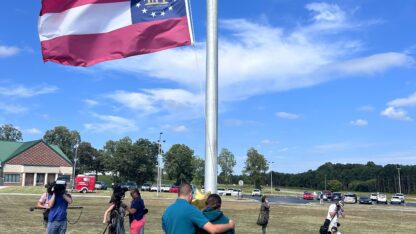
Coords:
334,211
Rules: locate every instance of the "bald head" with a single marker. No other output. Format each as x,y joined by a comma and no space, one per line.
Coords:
185,189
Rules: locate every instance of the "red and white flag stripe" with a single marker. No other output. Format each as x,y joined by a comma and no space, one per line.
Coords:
86,32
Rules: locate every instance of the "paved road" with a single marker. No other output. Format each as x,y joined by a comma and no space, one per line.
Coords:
299,200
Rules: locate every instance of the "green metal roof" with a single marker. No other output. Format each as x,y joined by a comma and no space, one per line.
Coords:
10,149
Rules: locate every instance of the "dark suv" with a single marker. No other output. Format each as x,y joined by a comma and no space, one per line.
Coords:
336,196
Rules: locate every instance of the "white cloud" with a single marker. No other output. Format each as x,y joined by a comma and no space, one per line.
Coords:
32,131
396,113
359,122
112,124
22,91
179,129
326,12
286,115
404,102
7,51
12,109
269,142
366,109
91,102
171,101
281,59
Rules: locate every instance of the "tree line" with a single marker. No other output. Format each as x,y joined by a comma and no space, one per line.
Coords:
137,161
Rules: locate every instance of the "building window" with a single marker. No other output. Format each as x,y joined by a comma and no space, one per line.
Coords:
12,178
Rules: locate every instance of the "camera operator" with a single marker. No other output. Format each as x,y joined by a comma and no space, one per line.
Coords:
116,211
334,211
58,203
136,213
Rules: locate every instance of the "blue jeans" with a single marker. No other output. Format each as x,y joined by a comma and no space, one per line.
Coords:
56,227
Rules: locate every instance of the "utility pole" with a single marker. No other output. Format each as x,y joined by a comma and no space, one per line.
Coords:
400,185
271,177
325,181
211,99
159,161
75,165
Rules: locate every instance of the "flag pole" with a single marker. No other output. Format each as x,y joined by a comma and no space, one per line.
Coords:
211,99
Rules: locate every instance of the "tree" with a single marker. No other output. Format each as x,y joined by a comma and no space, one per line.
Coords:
179,163
256,166
226,161
9,133
132,161
64,138
334,185
89,159
199,173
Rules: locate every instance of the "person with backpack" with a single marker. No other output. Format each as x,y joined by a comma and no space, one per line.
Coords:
334,211
116,211
263,218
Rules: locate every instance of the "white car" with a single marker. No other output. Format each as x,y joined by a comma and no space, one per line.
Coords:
256,192
236,192
350,198
146,187
228,192
165,188
401,196
154,188
395,200
221,191
373,197
381,198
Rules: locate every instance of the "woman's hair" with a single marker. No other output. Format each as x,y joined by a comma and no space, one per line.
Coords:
263,199
136,190
213,201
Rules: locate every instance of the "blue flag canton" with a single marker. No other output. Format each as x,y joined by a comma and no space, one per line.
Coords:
151,10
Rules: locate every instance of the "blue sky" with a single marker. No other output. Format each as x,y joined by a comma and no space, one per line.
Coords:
303,82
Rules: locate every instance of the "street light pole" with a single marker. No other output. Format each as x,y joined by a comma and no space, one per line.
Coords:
159,169
400,185
75,165
271,178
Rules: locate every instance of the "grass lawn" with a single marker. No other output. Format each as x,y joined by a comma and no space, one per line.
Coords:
16,218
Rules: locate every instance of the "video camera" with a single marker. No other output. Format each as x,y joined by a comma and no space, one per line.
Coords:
58,187
118,193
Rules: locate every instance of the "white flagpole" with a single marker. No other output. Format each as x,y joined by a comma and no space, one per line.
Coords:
211,125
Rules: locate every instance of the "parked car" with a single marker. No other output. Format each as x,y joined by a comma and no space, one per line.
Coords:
154,188
327,195
221,191
256,192
129,185
401,196
100,185
350,198
146,187
307,196
228,192
165,188
373,197
236,192
174,189
381,198
395,200
365,200
336,196
318,196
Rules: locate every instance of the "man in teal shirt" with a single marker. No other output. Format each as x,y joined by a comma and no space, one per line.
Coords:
183,218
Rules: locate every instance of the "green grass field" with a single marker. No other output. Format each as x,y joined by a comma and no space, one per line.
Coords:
16,218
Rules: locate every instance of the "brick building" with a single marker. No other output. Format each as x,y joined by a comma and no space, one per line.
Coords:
32,163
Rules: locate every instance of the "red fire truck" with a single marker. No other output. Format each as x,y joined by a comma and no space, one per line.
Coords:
84,183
